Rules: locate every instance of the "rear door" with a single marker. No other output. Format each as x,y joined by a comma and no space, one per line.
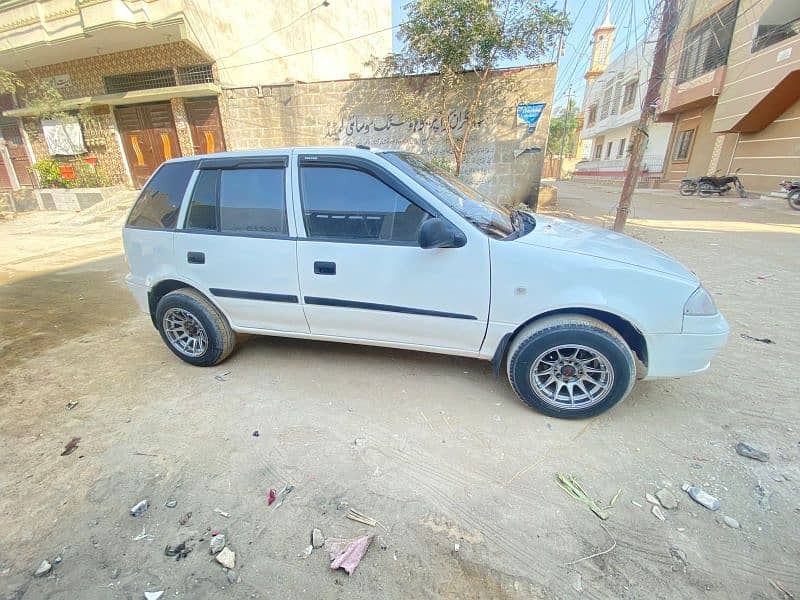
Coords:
362,272
237,244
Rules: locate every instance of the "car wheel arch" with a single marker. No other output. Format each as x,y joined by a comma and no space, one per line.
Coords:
627,330
164,287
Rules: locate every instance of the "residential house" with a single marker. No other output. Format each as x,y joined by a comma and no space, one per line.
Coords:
150,74
733,92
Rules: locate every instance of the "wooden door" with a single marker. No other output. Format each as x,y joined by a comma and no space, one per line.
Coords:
148,136
20,161
205,125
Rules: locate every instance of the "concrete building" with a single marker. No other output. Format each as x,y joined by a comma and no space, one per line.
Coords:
611,109
151,73
733,91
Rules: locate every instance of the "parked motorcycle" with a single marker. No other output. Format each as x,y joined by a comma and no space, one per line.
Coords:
790,189
707,185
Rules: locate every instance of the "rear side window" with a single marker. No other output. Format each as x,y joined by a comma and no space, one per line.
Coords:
347,203
160,201
239,201
252,201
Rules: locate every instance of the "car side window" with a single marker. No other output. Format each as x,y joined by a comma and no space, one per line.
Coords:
248,200
160,201
349,203
202,213
253,201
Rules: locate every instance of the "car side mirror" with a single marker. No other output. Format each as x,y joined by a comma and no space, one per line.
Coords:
438,233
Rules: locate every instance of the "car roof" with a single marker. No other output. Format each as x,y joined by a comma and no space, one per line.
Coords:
280,152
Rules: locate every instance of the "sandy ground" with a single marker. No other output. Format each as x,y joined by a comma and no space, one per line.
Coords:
433,447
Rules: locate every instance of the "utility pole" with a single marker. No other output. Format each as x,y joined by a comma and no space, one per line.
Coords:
640,134
565,120
560,48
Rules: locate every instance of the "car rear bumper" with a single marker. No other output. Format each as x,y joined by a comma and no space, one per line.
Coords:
682,354
140,292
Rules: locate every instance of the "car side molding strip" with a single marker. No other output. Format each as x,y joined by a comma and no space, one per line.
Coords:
385,308
222,293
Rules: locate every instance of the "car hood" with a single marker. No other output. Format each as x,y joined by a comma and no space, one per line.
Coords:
580,238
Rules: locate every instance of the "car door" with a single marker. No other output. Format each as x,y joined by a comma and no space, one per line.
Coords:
362,273
236,242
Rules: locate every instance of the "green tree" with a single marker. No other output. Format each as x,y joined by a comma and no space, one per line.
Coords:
459,42
9,82
567,119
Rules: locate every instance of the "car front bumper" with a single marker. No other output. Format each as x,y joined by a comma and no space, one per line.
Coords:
687,353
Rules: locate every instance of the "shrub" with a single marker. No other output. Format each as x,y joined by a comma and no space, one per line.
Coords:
50,175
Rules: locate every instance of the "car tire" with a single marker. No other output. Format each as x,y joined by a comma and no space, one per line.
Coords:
202,322
603,366
794,199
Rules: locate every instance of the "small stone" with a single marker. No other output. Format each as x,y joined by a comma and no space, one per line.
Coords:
227,558
456,547
44,568
317,539
153,595
115,573
731,522
702,497
185,518
657,512
57,560
256,434
307,552
652,499
749,451
217,543
763,496
667,499
171,503
232,575
139,508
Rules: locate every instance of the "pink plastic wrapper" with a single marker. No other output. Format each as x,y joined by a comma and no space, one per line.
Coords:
347,554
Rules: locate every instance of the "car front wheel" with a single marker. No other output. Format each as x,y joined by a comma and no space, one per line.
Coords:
193,328
570,366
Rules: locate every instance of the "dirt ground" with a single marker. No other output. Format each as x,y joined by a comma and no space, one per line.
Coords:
440,453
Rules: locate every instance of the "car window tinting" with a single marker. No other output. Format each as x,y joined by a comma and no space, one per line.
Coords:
203,206
341,202
160,201
253,201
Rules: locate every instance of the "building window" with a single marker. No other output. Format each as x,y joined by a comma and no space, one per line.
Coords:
706,45
609,146
148,80
616,97
683,145
608,96
779,22
598,151
592,115
629,95
621,149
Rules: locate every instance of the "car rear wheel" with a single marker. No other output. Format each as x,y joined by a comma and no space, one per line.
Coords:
193,328
570,366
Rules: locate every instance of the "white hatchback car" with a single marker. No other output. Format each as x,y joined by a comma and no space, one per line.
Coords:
380,248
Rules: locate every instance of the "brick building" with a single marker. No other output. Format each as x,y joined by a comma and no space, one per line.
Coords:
148,75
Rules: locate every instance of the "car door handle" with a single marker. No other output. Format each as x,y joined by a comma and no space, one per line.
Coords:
196,258
325,268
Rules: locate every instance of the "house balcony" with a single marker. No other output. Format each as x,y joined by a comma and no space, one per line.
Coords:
32,32
699,92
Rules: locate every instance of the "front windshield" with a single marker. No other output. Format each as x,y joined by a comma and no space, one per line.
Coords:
490,218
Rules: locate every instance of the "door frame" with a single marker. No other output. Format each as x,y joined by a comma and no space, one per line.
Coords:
175,148
215,99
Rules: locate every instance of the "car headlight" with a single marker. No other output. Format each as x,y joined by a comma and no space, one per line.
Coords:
700,304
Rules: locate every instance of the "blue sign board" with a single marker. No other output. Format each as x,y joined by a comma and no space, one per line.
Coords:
530,113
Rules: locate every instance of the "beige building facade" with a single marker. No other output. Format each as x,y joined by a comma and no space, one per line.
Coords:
147,75
733,91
